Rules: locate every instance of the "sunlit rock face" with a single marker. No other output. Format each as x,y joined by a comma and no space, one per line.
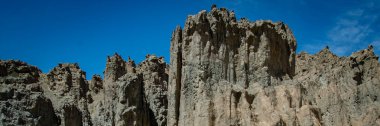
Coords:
229,72
225,72
130,94
222,72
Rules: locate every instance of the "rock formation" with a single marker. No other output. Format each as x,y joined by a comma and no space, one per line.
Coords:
130,95
22,100
223,65
222,71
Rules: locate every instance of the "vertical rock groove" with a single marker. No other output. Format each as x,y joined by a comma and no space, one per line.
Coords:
175,75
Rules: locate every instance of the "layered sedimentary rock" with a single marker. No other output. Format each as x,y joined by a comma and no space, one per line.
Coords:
222,71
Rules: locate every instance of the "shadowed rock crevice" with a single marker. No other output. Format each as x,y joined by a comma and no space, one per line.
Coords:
236,97
358,77
249,98
72,116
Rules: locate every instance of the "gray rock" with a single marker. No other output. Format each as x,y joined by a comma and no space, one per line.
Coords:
18,72
66,86
155,83
130,95
217,63
118,100
343,89
22,101
222,71
228,72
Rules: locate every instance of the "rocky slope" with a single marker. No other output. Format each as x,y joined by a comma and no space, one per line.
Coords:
222,71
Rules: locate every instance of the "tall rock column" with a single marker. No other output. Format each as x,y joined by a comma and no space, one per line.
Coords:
217,61
174,87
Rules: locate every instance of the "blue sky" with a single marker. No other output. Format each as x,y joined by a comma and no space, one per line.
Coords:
47,32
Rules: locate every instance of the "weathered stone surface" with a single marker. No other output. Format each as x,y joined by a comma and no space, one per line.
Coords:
219,65
343,89
222,71
228,72
155,78
130,95
131,109
118,100
66,86
22,101
18,72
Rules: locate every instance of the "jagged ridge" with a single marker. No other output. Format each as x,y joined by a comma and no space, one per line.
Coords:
222,72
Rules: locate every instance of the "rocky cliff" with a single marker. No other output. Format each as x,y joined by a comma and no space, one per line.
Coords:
222,71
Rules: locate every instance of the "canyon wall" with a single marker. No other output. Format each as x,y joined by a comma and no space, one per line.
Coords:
222,71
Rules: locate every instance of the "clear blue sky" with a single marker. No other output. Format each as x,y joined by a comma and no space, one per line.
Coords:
47,32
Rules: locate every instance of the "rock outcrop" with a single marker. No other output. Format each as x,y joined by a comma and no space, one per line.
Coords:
220,65
342,90
155,88
67,87
22,100
228,72
222,71
130,95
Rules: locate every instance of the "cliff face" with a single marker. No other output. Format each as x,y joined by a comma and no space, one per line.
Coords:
222,72
220,65
340,90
